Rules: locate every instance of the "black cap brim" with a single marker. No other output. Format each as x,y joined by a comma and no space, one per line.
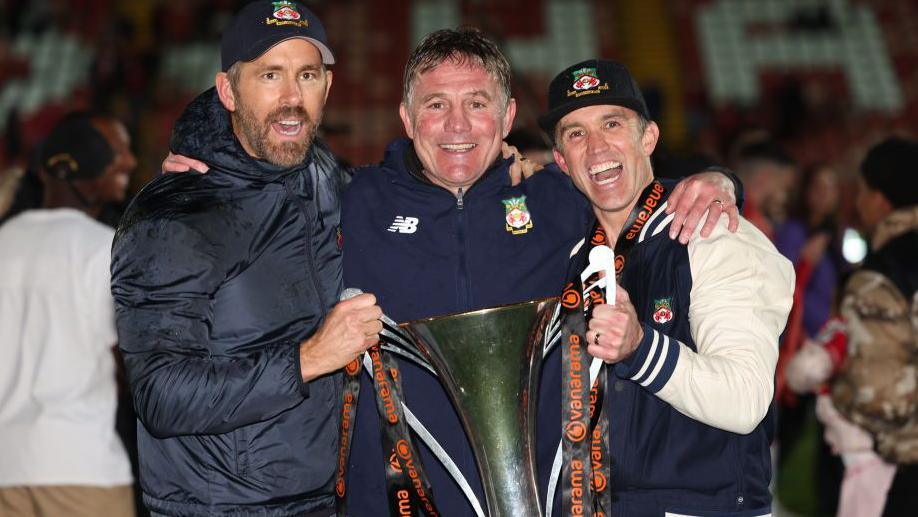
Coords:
549,120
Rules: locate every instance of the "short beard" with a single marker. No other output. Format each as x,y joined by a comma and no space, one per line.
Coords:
285,154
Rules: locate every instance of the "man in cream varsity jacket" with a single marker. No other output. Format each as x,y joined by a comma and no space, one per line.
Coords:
691,340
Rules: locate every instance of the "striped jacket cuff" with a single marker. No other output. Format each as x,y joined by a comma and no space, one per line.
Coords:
654,361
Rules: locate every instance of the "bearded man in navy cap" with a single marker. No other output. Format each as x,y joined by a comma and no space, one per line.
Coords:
226,287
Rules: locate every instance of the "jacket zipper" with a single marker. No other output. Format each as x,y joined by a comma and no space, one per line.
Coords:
462,278
310,252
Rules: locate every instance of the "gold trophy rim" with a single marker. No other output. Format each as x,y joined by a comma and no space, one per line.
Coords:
478,312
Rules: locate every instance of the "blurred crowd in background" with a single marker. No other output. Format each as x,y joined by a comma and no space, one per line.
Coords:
789,94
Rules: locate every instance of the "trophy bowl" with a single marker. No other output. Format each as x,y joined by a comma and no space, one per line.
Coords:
489,362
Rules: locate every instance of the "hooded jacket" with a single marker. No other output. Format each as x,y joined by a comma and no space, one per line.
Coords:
217,279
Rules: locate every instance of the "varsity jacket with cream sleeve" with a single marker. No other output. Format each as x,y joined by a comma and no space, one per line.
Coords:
690,411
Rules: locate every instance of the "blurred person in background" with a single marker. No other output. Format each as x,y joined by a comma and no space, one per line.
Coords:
532,146
58,392
861,490
811,238
767,173
20,190
877,388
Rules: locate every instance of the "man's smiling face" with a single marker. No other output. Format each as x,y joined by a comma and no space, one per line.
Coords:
277,101
457,118
606,152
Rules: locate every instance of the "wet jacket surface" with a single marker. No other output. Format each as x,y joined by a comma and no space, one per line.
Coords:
217,279
423,253
876,388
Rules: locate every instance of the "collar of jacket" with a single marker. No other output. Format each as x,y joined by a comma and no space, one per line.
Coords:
204,131
895,224
402,158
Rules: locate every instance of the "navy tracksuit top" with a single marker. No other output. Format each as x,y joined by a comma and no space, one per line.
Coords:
423,253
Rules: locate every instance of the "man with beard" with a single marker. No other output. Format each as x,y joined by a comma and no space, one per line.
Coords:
226,287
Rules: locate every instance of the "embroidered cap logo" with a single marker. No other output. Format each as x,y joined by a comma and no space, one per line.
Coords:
285,13
586,82
585,78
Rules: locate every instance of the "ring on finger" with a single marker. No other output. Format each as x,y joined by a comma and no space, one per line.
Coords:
717,202
596,338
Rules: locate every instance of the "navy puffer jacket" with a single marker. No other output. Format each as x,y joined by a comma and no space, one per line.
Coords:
217,279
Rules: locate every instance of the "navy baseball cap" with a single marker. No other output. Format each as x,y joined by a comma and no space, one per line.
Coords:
590,83
261,25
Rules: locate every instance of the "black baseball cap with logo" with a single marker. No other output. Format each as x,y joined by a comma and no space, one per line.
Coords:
590,83
75,149
261,25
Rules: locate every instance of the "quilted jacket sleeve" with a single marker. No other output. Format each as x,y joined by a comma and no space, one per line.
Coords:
164,274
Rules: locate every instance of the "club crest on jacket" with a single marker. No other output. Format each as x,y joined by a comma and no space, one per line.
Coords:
662,310
518,218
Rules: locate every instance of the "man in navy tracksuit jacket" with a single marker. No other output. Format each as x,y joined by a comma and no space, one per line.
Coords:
430,236
423,252
693,331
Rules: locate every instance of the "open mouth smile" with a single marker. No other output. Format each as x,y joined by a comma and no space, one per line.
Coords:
288,128
605,173
458,148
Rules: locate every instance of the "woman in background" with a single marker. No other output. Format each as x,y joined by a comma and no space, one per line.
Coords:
811,239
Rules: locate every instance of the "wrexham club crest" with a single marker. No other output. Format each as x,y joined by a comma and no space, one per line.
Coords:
285,13
518,218
662,310
586,82
585,79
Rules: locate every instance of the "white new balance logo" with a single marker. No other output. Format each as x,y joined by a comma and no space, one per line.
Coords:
404,224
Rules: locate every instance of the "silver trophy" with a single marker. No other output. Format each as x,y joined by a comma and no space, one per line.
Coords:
489,362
